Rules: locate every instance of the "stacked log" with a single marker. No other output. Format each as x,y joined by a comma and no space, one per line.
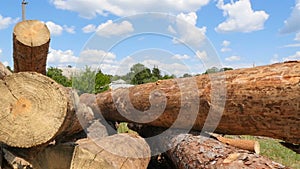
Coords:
36,112
260,101
31,39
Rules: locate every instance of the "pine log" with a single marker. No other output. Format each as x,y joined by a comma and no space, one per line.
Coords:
120,151
33,109
4,71
31,40
188,151
261,101
250,145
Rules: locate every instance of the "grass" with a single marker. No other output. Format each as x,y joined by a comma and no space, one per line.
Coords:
272,149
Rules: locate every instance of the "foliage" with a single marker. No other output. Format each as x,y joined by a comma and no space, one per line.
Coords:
56,74
84,81
102,82
9,68
216,70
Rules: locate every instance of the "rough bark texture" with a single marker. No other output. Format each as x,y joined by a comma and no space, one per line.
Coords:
262,101
33,109
190,152
31,40
4,71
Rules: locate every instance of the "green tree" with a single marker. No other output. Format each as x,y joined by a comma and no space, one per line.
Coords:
156,73
211,70
56,74
9,68
186,75
144,76
168,77
84,81
102,82
225,69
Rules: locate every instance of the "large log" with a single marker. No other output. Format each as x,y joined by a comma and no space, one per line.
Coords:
120,151
31,40
33,110
262,101
188,151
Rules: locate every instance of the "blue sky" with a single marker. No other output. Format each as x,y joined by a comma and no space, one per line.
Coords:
182,36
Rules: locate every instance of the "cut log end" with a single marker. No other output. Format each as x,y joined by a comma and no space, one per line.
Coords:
250,145
32,33
32,108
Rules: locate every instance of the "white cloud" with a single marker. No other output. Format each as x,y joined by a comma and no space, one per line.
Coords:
275,59
187,31
5,63
175,68
171,29
241,17
54,28
109,28
201,54
93,56
181,57
292,45
91,8
233,58
296,56
297,38
61,57
57,30
225,45
292,24
89,28
69,29
0,51
190,17
6,21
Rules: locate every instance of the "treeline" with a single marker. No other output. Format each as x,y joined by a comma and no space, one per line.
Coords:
95,81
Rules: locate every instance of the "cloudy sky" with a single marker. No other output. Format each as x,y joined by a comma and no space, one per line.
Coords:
178,36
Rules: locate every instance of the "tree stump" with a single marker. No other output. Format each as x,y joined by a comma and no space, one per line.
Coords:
31,40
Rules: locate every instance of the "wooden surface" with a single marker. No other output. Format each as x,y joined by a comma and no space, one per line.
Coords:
33,108
262,101
190,151
4,71
31,40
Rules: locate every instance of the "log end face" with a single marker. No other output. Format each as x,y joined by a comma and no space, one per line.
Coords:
33,109
32,33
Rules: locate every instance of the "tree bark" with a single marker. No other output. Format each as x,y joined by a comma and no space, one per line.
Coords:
4,71
31,40
261,101
190,151
33,110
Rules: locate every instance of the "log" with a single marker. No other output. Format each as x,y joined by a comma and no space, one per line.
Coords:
120,151
4,71
260,101
31,40
190,151
33,110
250,145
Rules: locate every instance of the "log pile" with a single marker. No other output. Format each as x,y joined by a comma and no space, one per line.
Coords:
260,101
39,120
